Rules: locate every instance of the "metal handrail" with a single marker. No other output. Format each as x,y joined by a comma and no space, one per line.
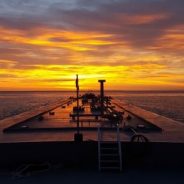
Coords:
119,146
99,142
99,146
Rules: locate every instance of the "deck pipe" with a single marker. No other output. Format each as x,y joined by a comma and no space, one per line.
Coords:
102,95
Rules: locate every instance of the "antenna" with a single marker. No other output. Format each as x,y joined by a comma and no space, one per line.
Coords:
78,137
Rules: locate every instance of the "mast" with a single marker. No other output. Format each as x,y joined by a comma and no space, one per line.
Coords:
77,92
78,137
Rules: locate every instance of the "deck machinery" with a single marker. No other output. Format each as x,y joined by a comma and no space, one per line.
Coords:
99,110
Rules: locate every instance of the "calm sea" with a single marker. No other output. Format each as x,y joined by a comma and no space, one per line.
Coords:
169,104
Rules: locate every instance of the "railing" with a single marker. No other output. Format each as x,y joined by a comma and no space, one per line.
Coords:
99,146
119,146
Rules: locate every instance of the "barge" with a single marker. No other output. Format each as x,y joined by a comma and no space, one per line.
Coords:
92,130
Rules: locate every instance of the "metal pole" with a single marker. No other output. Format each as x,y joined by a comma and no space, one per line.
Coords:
77,87
102,95
99,147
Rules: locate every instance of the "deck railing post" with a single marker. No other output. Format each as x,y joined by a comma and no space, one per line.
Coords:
99,142
119,146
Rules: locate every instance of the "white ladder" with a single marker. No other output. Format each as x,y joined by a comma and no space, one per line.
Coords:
109,153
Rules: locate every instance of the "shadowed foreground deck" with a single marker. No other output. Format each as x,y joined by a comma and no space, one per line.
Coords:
57,125
132,176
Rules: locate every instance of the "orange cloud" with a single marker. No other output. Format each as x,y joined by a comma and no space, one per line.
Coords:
76,41
57,77
144,19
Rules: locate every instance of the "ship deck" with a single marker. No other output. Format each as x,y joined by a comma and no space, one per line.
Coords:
54,123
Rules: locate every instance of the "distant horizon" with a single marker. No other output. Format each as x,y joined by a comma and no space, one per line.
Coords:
159,91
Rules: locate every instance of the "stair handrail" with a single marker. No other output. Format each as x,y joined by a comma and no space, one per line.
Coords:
119,146
99,142
99,133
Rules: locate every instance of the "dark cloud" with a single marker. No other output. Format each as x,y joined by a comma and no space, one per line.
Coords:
116,17
23,23
131,23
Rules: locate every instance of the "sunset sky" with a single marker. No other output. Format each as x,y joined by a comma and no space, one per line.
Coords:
133,44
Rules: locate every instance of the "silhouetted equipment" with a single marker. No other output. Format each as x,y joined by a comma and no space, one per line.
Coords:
129,117
139,138
137,149
89,96
102,95
40,118
95,109
79,109
51,113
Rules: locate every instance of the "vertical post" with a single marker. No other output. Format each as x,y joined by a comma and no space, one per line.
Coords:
102,95
78,137
99,148
77,90
119,146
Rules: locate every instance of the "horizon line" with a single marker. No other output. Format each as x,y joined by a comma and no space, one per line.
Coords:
182,91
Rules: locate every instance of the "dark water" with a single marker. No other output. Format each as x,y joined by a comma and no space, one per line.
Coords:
168,104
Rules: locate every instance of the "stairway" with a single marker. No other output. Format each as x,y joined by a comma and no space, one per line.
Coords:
109,153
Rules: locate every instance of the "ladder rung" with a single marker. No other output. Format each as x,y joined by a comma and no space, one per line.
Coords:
103,154
109,148
108,142
109,161
110,168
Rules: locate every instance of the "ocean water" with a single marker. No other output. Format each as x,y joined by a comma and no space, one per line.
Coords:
13,103
168,104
